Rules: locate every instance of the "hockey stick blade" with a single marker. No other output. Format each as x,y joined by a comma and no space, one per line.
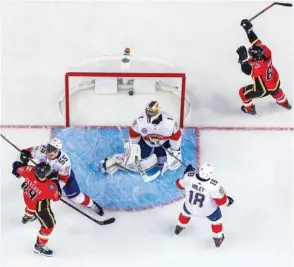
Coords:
283,4
100,222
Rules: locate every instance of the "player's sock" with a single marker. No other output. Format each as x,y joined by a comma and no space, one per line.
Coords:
182,222
281,99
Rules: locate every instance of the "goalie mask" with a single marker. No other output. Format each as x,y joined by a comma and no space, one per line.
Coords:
152,111
53,148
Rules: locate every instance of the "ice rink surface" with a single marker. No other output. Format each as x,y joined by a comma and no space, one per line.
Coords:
258,227
255,165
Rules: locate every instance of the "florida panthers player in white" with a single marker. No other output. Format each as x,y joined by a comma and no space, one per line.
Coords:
59,161
155,129
203,196
150,136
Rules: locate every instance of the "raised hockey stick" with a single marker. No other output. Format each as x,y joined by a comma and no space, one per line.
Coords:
146,178
268,7
102,222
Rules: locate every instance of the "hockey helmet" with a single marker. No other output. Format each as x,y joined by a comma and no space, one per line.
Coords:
42,170
53,147
152,111
256,52
205,171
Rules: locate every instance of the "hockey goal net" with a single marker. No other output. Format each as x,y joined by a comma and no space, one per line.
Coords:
105,98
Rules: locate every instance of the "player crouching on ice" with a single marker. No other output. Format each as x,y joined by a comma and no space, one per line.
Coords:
203,196
154,144
264,74
60,163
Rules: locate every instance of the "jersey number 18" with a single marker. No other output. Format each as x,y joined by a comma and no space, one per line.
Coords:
196,198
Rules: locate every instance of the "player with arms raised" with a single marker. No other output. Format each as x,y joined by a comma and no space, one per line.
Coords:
38,190
203,196
59,161
265,77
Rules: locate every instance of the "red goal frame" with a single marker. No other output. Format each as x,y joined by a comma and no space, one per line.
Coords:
182,76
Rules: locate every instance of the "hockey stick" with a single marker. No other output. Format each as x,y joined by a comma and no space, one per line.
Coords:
167,151
146,178
104,222
268,7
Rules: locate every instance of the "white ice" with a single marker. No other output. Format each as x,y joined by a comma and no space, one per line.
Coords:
40,41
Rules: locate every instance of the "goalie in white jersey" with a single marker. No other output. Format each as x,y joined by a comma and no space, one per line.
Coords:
203,196
156,131
59,161
150,136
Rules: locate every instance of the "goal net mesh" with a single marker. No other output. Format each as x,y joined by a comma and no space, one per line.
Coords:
107,91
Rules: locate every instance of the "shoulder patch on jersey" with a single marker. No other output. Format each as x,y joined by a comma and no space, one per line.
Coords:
67,169
51,187
20,169
134,123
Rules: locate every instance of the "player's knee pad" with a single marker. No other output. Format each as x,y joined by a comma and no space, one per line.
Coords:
83,199
79,198
242,94
184,218
46,231
278,94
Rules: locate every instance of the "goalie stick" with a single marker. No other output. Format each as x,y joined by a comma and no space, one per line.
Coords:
167,151
105,221
146,178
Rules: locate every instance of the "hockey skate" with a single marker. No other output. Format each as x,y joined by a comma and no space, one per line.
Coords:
219,241
42,250
178,229
97,208
251,112
287,106
26,219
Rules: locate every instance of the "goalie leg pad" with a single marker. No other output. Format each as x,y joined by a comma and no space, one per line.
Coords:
173,159
149,162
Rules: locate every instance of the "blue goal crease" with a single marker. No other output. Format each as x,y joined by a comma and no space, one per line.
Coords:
123,190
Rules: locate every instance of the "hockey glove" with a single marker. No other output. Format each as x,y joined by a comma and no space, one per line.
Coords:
15,166
189,168
25,156
247,25
231,201
242,52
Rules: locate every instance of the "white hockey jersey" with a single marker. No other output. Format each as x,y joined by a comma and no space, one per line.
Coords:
201,197
167,129
61,164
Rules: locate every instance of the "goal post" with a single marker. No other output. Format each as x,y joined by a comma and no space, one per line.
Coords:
169,83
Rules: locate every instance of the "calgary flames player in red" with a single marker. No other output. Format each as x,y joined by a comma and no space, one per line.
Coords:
265,77
38,190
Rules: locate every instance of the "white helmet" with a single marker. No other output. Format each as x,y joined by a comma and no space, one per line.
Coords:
205,171
54,145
